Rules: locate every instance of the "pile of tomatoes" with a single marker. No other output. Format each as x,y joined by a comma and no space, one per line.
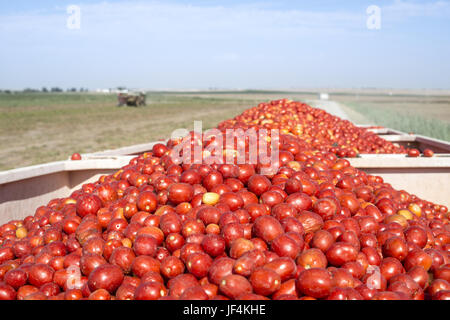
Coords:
315,127
161,228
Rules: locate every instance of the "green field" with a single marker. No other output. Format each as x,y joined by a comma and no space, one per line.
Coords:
426,115
37,128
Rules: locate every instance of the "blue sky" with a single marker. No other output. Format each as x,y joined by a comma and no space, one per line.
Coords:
184,44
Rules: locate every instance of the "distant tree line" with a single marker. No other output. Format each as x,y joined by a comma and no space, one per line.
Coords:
45,90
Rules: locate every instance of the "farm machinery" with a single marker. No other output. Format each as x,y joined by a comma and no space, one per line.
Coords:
131,99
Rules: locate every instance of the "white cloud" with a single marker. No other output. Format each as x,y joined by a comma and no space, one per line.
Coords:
197,22
153,21
406,9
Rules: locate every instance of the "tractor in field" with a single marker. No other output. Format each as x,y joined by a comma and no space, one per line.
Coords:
131,99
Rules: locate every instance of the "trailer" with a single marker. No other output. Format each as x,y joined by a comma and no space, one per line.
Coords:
25,189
